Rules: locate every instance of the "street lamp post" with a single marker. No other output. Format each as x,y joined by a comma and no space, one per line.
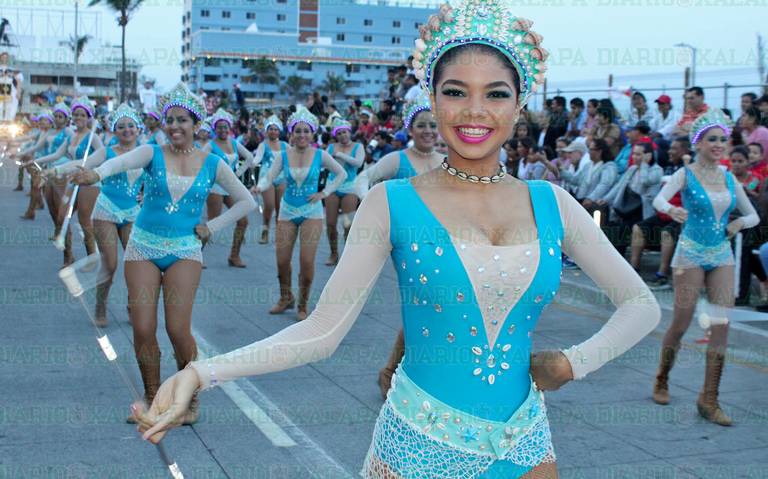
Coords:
693,59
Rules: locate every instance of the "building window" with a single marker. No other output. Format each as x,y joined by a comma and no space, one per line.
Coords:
416,25
367,38
280,17
340,37
282,1
368,22
396,40
304,66
341,21
205,13
396,23
226,14
250,16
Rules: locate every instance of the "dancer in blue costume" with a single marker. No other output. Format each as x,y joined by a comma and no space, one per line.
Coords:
226,147
351,155
301,208
106,134
75,149
266,152
412,161
118,203
703,256
474,279
153,126
164,249
34,148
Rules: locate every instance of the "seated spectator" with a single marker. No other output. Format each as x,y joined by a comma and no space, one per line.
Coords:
694,108
573,173
366,127
639,110
557,125
524,146
601,178
522,130
577,118
664,121
591,120
631,198
739,160
747,101
513,157
380,145
399,141
762,106
559,161
752,131
539,163
637,134
607,130
757,163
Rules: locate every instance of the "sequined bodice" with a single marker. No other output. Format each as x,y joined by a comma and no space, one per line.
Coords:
405,169
475,326
122,188
77,153
350,169
707,211
296,193
230,158
161,213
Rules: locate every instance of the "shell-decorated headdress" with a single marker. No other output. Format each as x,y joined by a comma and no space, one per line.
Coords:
273,120
302,115
222,115
85,103
421,103
45,115
61,107
712,118
340,124
182,97
487,22
125,111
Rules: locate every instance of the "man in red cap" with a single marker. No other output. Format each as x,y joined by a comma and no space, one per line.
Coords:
665,120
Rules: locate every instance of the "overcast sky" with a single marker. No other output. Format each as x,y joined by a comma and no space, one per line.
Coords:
588,39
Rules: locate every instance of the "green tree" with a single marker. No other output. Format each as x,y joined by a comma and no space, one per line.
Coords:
333,84
263,70
77,45
124,9
294,86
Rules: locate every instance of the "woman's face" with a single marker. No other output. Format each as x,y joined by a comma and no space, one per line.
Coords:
602,120
302,135
222,130
273,132
150,122
343,136
595,153
522,131
712,144
423,130
591,109
80,118
638,154
559,147
440,146
44,124
179,127
203,134
755,155
476,108
747,122
522,151
739,164
60,119
126,130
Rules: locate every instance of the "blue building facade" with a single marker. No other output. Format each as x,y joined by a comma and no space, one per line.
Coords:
355,40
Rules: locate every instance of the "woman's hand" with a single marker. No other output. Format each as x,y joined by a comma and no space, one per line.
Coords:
678,214
255,190
169,407
314,198
84,177
550,370
734,227
203,233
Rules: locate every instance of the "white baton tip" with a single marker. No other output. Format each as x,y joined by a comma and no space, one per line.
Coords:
69,278
175,471
106,347
596,216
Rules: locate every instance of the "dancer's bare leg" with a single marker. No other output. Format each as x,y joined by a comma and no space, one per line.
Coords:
268,197
349,206
668,244
637,246
310,233
332,204
279,191
214,204
106,237
285,239
86,200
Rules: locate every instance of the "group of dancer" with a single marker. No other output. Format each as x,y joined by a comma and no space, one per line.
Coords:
463,390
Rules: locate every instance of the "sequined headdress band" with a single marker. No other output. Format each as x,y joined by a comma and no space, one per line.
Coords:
485,22
222,115
302,115
182,97
412,110
45,115
61,108
155,114
124,111
712,118
340,124
84,103
273,121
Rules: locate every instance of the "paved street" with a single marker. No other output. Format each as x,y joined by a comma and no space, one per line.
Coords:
63,407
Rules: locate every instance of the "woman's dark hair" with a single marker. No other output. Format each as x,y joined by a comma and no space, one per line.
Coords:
605,150
577,102
647,149
753,112
548,152
606,112
758,145
736,137
453,54
525,142
741,150
594,102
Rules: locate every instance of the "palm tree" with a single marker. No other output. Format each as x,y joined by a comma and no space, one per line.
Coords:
263,70
294,86
77,45
124,9
333,84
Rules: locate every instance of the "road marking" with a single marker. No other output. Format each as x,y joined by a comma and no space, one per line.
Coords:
254,405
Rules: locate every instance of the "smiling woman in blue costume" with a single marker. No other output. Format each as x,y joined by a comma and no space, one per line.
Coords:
226,147
164,249
117,205
466,400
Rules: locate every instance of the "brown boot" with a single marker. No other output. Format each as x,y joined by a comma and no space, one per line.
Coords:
708,406
193,411
385,375
305,286
101,305
69,258
286,301
661,387
237,241
333,241
264,235
149,366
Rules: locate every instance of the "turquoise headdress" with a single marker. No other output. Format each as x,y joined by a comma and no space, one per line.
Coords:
421,103
486,22
85,103
273,121
340,124
124,111
182,97
206,126
302,115
712,118
61,107
155,113
222,115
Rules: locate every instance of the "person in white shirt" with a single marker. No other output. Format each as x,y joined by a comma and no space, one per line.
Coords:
663,123
148,97
10,89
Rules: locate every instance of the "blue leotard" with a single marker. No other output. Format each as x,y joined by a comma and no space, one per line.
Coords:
405,169
703,239
434,427
117,202
268,159
164,231
295,205
349,184
230,160
60,138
